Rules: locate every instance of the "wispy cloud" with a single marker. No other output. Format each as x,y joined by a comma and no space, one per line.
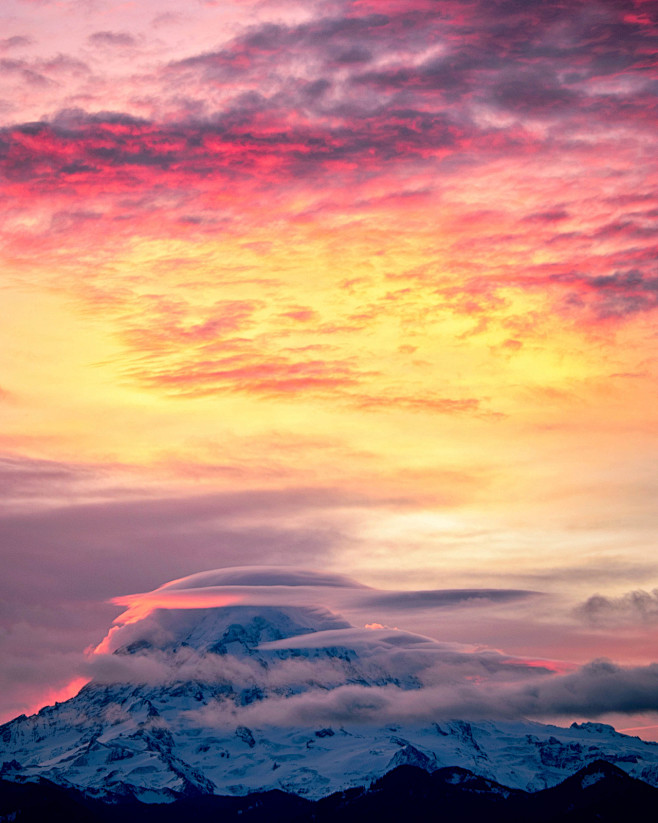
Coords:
112,38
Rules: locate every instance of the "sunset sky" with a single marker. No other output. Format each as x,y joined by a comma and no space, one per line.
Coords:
362,286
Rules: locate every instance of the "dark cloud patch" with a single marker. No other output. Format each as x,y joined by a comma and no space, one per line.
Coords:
610,296
601,298
351,55
42,73
114,150
442,598
8,64
65,63
112,38
542,60
532,91
328,40
598,688
16,42
433,76
167,19
35,78
626,292
549,216
75,120
633,608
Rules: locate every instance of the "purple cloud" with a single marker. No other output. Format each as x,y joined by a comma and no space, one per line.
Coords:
112,38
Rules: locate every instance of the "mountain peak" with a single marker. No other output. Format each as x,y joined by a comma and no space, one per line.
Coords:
231,681
230,629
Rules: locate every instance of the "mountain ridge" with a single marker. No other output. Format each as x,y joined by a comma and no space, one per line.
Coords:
597,792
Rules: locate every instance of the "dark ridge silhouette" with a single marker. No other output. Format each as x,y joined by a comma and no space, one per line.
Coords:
599,792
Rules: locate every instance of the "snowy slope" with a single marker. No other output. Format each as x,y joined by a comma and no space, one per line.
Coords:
138,740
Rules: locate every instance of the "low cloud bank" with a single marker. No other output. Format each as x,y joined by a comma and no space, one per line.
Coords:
597,689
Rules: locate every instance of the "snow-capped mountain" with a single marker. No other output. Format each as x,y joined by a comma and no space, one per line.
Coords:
232,699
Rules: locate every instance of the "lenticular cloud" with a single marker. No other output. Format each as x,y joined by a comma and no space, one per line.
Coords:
281,589
275,643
